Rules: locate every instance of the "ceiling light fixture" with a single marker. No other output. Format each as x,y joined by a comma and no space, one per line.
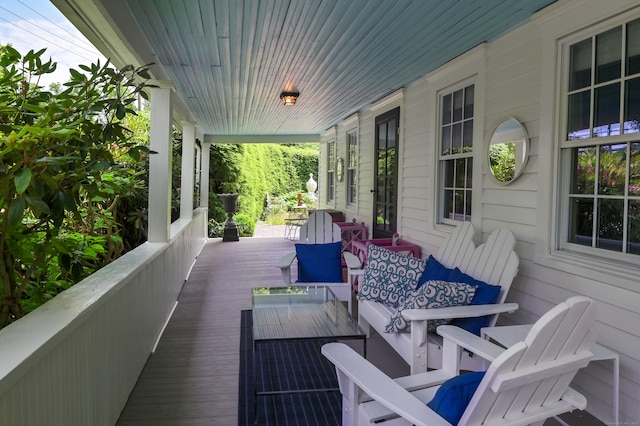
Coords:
289,98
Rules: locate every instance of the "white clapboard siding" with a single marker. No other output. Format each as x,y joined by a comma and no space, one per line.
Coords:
515,77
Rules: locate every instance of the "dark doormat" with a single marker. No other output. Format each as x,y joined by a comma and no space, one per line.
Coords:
286,366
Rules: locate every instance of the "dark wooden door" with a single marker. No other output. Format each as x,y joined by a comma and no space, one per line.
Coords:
386,175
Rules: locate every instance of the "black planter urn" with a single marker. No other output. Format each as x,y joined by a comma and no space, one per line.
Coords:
230,203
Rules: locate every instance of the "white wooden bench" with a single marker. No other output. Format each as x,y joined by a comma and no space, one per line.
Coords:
494,262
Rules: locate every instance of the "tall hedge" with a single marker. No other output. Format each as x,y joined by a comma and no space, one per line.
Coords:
253,170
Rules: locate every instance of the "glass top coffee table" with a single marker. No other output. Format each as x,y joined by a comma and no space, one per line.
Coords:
299,313
283,315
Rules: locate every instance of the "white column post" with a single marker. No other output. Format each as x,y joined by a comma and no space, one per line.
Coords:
198,155
187,171
160,163
204,175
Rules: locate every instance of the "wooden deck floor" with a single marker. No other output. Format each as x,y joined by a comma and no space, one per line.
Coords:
192,378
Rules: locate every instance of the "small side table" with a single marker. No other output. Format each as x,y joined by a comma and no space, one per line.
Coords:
351,232
510,335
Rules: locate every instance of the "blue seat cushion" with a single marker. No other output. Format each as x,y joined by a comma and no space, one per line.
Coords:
319,263
485,294
454,395
435,271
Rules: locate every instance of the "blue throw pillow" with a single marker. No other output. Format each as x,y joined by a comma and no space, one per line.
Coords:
453,396
435,271
485,294
319,263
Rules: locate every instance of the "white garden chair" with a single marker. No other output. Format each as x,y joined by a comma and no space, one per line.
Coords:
318,229
524,384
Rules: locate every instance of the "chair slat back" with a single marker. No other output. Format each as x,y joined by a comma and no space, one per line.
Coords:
320,229
529,378
458,248
495,261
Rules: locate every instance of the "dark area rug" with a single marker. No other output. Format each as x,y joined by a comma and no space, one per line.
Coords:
285,366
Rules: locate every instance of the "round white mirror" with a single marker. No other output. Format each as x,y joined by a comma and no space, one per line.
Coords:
508,151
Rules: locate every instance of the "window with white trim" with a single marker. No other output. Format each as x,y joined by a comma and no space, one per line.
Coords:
331,170
455,154
352,166
600,146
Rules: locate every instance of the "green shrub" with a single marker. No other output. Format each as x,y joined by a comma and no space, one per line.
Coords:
246,225
216,229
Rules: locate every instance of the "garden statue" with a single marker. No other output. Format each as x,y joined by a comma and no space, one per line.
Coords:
312,185
230,203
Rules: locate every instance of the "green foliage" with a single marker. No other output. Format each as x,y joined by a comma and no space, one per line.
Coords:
64,170
246,225
216,229
253,170
291,200
502,158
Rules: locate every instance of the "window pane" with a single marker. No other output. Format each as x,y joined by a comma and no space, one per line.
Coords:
469,173
447,109
468,205
382,163
578,126
607,111
580,68
468,101
391,162
461,177
581,226
446,140
610,224
632,106
634,228
449,173
459,205
633,47
613,169
634,170
447,204
457,105
609,55
380,192
391,136
467,136
456,139
584,170
382,136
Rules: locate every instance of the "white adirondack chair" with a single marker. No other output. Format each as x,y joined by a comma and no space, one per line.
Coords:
319,229
524,384
494,262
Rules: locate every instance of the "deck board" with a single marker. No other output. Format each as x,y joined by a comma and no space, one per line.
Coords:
192,378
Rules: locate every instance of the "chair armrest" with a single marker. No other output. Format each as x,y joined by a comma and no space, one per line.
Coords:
286,260
285,267
462,338
352,261
379,386
466,311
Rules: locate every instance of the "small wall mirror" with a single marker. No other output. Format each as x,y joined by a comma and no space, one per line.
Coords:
508,151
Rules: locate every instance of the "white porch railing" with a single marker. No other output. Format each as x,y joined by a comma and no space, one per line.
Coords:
75,360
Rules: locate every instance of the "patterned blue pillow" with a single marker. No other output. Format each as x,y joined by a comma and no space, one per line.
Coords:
433,294
389,277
